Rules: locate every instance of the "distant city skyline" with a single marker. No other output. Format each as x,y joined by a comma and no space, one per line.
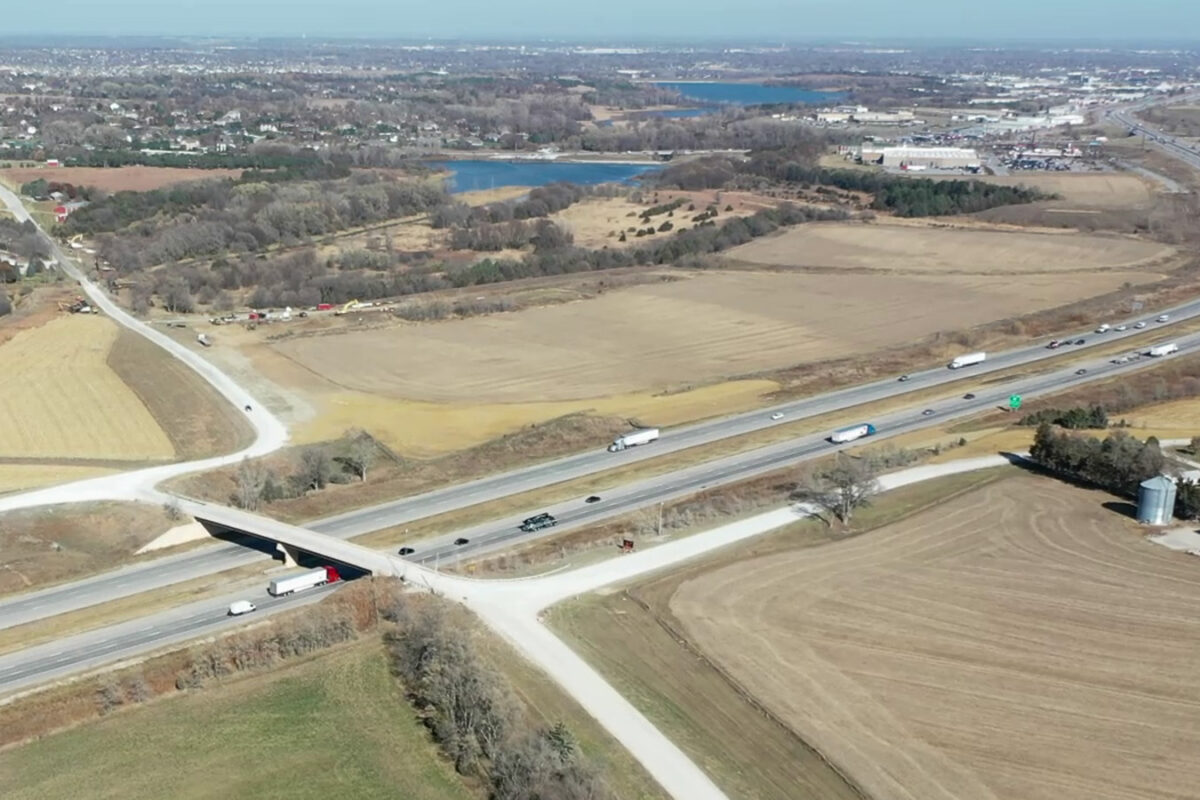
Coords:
763,20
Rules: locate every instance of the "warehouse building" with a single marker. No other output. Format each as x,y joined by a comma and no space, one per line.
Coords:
921,157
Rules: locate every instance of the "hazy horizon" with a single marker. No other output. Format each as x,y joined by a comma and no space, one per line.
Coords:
764,21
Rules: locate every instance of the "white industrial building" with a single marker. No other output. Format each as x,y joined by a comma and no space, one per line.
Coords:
921,157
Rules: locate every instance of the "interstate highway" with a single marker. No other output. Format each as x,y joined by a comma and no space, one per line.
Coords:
156,573
127,639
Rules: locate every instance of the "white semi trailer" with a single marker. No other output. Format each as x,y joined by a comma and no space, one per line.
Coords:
1162,350
965,361
633,439
302,581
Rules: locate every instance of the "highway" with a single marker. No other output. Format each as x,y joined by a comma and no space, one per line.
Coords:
159,572
138,637
1163,141
125,640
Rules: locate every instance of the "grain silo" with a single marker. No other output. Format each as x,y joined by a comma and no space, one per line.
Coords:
1156,500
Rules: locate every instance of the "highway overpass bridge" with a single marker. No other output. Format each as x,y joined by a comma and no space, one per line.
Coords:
293,541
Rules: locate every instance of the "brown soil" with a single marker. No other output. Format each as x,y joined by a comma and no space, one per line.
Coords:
1023,641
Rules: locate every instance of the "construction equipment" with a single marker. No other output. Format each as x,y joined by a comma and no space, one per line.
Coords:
78,306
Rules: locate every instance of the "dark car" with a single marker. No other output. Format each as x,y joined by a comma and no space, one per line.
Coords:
1081,371
539,522
595,498
969,396
460,541
927,412
1080,341
407,551
902,378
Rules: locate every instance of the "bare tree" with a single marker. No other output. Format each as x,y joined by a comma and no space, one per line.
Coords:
315,468
251,478
842,488
361,453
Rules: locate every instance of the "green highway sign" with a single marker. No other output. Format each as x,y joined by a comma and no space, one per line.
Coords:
1014,401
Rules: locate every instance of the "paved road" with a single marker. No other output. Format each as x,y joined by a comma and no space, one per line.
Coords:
161,572
1165,142
81,652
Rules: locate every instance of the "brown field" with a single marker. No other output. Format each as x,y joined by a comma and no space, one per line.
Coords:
1020,642
713,326
922,249
1083,190
116,179
68,403
598,222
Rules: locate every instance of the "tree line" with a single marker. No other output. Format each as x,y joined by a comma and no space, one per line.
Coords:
1117,463
900,195
474,716
1072,418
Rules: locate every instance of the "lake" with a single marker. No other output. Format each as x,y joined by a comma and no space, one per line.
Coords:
748,94
468,176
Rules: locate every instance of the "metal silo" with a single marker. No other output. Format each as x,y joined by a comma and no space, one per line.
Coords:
1156,500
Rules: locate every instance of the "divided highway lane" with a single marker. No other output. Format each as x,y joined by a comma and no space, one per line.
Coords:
576,513
158,573
138,637
126,640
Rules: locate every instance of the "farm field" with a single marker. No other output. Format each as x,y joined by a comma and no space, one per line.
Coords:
115,179
69,403
334,725
1022,641
711,327
922,249
1110,190
632,637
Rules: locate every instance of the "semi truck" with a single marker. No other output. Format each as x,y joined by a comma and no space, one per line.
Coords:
305,580
1162,350
965,361
853,432
633,439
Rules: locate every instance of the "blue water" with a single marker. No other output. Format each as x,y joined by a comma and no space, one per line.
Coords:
671,113
471,175
749,94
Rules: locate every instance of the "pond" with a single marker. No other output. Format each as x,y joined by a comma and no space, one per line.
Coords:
467,176
748,94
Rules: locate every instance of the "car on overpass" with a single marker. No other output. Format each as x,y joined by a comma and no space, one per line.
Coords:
407,551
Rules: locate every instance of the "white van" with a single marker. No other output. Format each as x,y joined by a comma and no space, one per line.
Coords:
239,607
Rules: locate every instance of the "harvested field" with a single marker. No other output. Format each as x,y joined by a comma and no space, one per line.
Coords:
633,638
196,419
68,403
52,544
20,476
1109,190
1020,642
922,249
116,179
678,334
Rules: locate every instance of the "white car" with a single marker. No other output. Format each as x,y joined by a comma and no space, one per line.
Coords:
1122,327
777,415
1163,318
239,607
1139,325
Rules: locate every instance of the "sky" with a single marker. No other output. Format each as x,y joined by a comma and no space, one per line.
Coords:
766,20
